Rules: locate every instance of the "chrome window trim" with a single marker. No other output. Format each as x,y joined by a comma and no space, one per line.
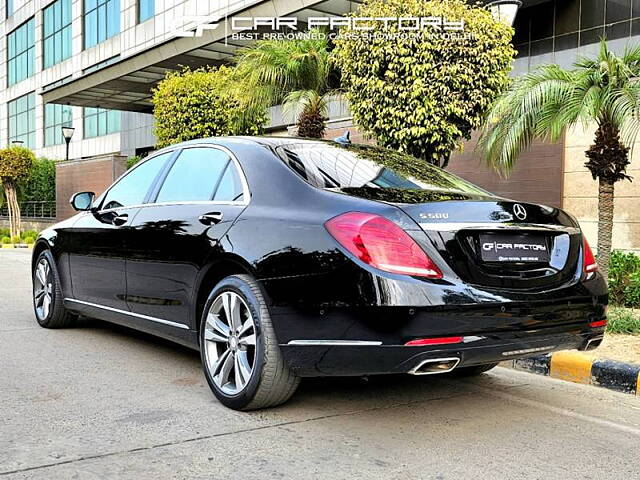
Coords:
337,343
246,193
146,205
132,314
454,226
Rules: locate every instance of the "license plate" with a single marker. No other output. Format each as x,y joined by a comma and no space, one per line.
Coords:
514,248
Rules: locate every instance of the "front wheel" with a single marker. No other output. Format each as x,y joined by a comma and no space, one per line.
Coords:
240,355
47,294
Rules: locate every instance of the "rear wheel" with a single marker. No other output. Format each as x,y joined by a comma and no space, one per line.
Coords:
472,371
241,358
47,294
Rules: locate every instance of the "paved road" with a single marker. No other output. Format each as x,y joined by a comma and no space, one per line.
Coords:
104,402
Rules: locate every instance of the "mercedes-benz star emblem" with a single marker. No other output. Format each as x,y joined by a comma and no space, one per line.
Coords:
519,211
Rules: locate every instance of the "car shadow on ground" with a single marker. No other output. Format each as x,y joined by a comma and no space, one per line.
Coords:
399,388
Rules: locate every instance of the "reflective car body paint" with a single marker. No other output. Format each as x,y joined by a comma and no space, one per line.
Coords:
157,266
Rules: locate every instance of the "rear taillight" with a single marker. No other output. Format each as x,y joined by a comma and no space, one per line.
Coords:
588,259
382,244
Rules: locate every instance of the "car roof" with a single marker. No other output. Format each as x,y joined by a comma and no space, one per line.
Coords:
266,141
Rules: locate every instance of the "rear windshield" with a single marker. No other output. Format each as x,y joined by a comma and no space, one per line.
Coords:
332,166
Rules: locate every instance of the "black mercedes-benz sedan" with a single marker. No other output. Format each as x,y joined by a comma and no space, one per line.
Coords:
282,258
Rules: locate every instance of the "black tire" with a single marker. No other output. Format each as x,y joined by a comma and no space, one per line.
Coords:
472,371
56,315
271,382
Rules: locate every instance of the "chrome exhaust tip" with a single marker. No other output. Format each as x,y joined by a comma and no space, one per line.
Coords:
591,344
433,366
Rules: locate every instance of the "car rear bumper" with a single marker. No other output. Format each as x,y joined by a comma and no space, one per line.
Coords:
356,358
329,325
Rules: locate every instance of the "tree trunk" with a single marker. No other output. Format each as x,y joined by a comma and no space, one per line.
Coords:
608,161
13,207
605,224
311,124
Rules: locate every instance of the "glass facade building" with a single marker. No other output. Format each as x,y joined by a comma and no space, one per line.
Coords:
98,122
146,9
559,31
21,52
22,120
56,32
56,116
101,21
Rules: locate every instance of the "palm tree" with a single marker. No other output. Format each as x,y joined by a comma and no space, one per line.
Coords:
547,101
294,72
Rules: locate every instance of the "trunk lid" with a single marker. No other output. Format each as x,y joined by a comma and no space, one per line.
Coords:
500,243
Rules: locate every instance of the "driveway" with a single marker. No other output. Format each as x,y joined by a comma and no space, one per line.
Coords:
100,401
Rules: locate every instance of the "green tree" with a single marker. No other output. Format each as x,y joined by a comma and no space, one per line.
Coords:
547,101
201,103
15,164
423,93
294,72
40,184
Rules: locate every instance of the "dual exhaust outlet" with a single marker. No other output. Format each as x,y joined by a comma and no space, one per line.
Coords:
433,366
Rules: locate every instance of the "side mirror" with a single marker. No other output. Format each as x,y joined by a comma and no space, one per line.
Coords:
82,201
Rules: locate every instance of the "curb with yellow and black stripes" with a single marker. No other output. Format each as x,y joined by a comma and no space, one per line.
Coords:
580,368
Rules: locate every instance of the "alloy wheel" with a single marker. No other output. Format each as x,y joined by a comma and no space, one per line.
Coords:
43,289
230,342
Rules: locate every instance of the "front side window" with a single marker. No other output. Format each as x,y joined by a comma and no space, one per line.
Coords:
146,9
57,32
194,176
21,53
56,116
99,121
134,186
22,120
101,21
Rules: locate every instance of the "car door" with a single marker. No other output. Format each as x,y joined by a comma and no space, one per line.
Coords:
178,234
98,241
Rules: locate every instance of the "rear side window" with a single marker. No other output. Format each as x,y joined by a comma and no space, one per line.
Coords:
194,176
230,187
330,165
133,187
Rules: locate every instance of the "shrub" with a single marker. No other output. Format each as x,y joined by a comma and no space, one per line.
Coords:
131,161
4,232
623,320
622,268
29,240
5,240
422,94
40,183
632,291
29,233
16,239
201,103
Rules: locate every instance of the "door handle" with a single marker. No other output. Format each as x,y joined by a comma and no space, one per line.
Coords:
210,218
120,220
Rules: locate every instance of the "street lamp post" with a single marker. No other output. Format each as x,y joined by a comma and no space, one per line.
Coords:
504,10
67,133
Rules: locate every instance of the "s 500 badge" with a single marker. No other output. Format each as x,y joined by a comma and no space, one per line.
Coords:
434,216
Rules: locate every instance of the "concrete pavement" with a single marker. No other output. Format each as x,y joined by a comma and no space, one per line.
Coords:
102,402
